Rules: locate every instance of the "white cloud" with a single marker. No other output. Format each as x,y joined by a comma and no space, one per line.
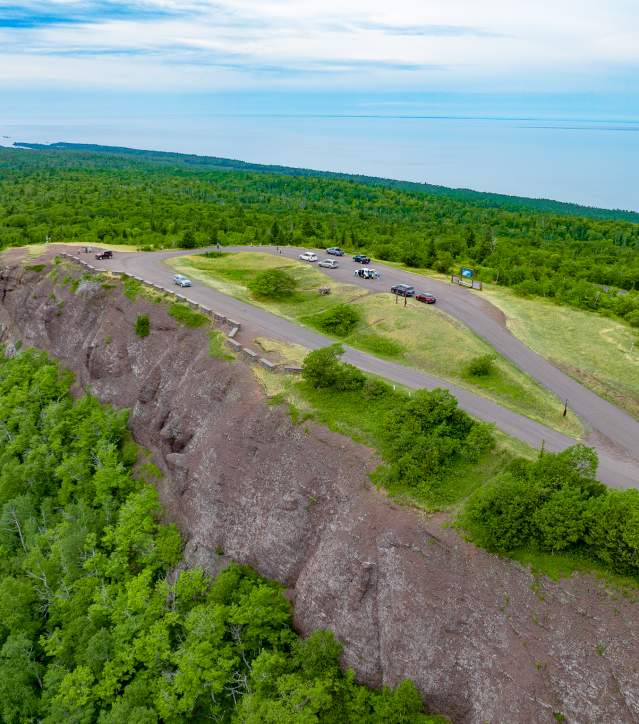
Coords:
423,44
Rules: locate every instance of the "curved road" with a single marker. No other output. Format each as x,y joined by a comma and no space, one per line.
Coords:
616,434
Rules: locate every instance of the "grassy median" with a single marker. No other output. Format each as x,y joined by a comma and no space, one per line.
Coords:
416,335
600,352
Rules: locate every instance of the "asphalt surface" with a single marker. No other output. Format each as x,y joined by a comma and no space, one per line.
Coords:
613,433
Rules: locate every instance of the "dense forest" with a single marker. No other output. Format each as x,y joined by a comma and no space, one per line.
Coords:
573,255
101,621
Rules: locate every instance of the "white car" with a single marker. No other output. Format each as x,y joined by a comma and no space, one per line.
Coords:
366,273
307,256
328,264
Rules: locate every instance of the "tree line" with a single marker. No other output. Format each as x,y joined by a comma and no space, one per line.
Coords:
107,197
101,621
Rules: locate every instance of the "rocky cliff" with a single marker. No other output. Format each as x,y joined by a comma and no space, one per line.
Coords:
483,639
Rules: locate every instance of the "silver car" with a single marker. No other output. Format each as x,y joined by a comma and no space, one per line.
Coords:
182,281
328,264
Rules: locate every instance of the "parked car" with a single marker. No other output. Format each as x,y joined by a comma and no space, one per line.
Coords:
182,281
106,254
425,297
403,290
328,264
308,256
335,251
362,258
366,273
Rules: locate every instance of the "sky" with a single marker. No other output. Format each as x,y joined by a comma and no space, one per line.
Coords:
559,78
412,45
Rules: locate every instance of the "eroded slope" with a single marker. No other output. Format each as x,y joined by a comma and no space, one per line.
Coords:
481,638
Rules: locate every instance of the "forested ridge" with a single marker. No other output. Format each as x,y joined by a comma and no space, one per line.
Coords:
163,200
100,621
479,198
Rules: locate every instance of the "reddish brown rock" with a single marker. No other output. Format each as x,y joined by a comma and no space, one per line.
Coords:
482,639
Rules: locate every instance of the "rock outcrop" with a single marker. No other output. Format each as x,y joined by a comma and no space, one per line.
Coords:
484,640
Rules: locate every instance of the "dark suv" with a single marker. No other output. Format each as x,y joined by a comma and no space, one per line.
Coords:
403,290
107,254
362,258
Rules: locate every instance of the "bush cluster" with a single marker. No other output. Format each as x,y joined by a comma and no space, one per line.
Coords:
428,433
322,368
481,366
424,434
555,504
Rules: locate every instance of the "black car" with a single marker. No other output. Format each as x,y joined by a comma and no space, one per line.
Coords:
107,254
403,290
362,258
335,251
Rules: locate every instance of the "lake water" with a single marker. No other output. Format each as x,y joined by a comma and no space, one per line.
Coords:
593,162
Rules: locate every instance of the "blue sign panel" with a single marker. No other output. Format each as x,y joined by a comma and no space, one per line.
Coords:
467,273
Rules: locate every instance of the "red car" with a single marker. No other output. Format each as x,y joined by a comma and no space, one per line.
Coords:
425,297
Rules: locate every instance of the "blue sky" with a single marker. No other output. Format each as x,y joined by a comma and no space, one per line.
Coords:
585,46
350,85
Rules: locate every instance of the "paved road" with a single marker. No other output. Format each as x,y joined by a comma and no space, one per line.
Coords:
618,465
612,425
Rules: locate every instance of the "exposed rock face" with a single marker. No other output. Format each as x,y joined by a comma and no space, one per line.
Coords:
482,639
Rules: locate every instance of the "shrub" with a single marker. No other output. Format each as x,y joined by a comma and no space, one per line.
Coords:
444,262
503,512
188,240
428,433
481,366
339,320
555,504
614,529
131,288
374,388
217,348
187,316
413,258
142,325
273,284
633,318
322,368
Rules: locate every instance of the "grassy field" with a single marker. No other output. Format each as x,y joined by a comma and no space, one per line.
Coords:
345,413
599,352
415,335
